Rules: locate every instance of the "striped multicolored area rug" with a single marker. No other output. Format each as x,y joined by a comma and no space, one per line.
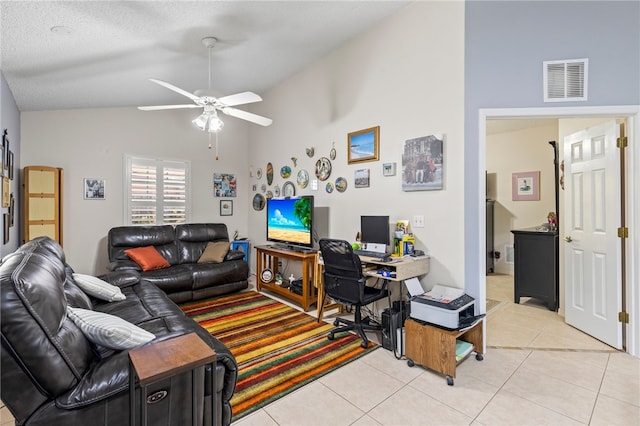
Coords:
278,348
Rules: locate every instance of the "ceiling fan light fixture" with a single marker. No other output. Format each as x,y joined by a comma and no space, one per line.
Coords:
208,121
215,124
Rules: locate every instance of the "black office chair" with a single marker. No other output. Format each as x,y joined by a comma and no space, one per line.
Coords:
344,282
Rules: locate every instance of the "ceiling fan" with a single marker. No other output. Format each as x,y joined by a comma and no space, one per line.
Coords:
205,99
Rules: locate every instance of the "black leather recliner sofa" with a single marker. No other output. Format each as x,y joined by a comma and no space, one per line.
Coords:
53,375
182,246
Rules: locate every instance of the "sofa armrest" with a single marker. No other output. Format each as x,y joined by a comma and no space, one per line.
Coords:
122,278
124,265
105,379
234,255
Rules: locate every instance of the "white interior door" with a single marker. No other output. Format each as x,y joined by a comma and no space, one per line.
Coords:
591,243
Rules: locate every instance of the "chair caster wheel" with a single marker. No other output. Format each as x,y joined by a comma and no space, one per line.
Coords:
364,345
330,336
479,357
450,380
410,363
336,323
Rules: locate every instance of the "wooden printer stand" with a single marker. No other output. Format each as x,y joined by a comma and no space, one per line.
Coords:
435,348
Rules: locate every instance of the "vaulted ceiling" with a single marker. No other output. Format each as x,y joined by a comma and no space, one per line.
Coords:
88,54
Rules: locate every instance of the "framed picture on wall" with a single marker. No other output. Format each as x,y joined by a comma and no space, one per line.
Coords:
423,163
363,145
226,208
6,192
525,186
94,189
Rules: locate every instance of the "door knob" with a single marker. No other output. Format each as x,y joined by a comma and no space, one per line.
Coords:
568,239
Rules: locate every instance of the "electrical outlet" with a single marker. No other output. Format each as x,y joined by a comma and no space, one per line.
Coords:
418,221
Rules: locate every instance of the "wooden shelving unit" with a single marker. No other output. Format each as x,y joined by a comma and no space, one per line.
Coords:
435,348
269,257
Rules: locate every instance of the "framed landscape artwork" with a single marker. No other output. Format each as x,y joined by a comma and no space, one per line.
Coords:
363,145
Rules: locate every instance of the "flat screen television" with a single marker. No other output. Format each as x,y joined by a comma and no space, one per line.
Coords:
290,222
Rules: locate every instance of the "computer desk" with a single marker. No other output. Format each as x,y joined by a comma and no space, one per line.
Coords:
404,268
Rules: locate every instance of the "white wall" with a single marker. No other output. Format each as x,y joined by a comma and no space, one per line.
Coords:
10,120
91,143
405,76
518,151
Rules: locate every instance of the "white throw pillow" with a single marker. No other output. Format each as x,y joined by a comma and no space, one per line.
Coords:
108,330
96,287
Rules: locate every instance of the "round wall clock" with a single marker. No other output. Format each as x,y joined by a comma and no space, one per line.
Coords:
288,189
266,275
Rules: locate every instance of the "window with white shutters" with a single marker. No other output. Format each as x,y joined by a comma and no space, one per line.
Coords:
157,191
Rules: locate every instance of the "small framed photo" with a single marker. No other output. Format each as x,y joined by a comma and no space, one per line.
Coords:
363,145
226,208
6,192
11,165
525,186
361,178
389,169
94,189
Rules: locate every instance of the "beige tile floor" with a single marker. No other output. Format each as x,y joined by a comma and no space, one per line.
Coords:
536,371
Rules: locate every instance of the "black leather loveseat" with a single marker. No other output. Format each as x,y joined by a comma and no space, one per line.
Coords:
53,375
182,246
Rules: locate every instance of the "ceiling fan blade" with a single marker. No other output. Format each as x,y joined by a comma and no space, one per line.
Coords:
175,89
240,99
158,107
254,118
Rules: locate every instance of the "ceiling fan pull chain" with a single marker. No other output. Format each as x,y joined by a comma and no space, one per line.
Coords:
217,145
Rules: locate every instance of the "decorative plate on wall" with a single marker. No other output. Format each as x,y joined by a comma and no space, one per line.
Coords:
285,171
269,173
258,202
259,173
276,191
329,187
341,184
303,178
269,195
323,168
288,189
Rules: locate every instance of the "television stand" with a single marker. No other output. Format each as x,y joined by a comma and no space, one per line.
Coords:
268,257
292,247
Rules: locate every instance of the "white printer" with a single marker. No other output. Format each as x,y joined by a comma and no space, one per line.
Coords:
444,306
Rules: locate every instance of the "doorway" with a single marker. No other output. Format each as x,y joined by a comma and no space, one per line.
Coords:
632,115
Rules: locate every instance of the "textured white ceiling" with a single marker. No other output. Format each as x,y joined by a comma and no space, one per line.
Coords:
114,47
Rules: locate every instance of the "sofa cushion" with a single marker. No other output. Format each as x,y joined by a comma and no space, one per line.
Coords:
107,330
98,288
214,252
148,258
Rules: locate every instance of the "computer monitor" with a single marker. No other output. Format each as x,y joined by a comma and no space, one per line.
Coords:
375,230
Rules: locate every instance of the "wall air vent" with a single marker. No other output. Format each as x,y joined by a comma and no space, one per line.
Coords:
566,80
